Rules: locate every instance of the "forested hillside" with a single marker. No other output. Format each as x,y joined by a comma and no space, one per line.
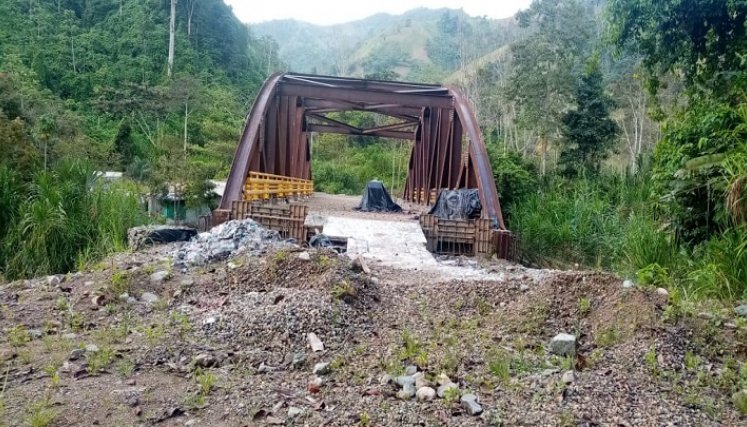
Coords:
420,45
85,85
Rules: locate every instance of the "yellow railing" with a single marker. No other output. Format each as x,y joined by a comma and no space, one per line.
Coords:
265,186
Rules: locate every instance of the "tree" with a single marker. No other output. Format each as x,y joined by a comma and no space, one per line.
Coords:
588,131
172,38
704,39
545,65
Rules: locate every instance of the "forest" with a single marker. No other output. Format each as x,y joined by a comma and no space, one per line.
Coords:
616,128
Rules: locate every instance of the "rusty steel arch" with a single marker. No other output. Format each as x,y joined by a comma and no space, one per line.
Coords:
438,120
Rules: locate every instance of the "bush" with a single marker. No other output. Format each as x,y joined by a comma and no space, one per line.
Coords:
66,215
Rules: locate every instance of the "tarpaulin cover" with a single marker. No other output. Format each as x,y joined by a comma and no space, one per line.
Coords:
376,199
457,204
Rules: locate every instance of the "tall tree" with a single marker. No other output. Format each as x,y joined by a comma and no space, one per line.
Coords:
545,66
172,38
588,131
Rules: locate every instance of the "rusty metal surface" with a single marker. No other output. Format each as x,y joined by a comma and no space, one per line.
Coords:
438,121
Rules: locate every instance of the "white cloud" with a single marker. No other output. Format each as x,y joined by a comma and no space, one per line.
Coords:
325,12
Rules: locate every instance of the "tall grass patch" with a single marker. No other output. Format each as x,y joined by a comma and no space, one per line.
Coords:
64,215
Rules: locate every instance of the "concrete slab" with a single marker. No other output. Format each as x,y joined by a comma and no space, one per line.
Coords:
399,244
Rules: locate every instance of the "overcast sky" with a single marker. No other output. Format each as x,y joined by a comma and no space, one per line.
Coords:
325,12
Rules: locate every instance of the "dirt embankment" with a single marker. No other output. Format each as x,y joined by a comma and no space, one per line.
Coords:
228,345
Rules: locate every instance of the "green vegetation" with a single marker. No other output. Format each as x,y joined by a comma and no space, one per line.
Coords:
84,87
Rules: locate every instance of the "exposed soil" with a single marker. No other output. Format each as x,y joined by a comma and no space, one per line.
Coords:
227,345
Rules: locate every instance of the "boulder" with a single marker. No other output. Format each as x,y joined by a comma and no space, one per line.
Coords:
425,394
563,345
469,403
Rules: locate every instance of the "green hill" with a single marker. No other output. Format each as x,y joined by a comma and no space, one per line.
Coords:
422,44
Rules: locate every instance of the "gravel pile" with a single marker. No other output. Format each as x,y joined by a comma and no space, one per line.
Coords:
226,240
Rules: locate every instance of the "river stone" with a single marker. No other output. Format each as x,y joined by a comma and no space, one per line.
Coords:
741,310
321,368
405,380
469,403
425,394
149,298
446,387
407,392
563,345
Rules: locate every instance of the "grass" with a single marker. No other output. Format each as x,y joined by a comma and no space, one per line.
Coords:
40,414
99,360
344,290
65,221
206,381
608,337
154,334
584,306
18,336
125,367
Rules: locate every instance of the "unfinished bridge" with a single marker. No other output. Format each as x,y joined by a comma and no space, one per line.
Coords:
273,158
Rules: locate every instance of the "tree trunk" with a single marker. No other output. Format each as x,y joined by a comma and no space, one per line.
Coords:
189,17
172,29
186,117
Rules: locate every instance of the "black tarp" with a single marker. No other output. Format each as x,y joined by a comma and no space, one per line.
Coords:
376,199
457,204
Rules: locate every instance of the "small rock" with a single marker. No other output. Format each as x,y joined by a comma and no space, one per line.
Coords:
92,348
70,336
568,377
149,298
76,354
98,300
186,283
627,284
35,333
124,297
210,320
298,359
741,310
159,276
131,300
405,380
469,402
549,372
407,392
375,281
411,370
563,345
315,385
420,381
190,423
524,287
304,256
443,379
321,368
54,280
205,360
441,392
662,292
133,401
425,394
294,412
359,265
314,342
385,379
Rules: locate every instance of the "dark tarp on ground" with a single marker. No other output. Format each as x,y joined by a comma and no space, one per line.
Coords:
457,204
376,199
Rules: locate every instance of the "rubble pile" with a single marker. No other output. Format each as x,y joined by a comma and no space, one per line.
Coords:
226,240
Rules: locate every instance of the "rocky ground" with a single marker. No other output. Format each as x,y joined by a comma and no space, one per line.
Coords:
284,335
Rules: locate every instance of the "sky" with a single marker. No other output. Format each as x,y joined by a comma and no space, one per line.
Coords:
326,12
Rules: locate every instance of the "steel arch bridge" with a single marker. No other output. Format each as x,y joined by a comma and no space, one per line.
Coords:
447,147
